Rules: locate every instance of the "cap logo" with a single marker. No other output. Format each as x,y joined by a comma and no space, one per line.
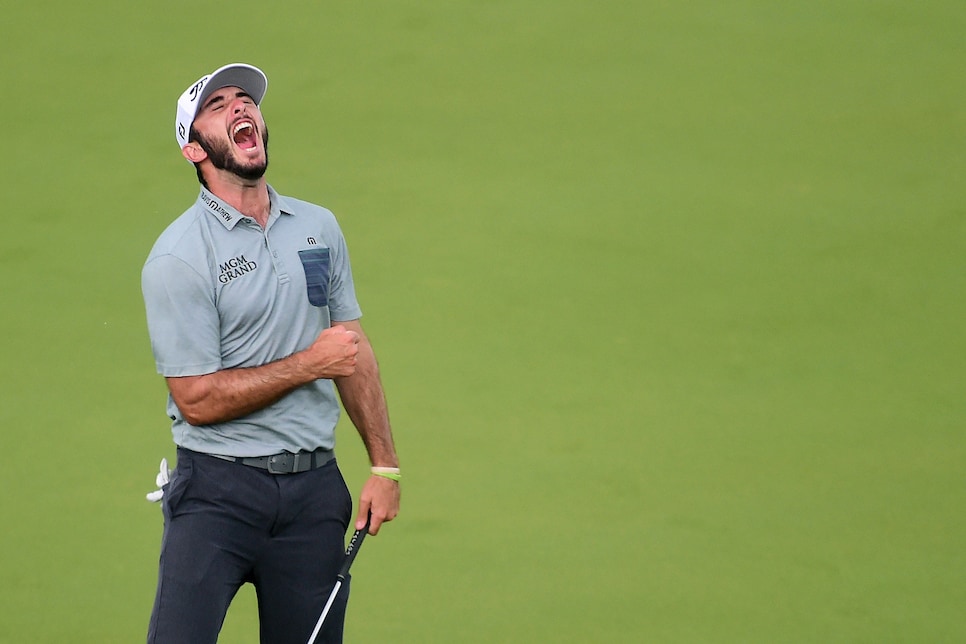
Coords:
197,88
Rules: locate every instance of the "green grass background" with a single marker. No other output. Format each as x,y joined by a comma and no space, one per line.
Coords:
669,300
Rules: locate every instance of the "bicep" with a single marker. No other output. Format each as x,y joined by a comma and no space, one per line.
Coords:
351,325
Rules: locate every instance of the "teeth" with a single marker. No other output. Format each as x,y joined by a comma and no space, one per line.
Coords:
240,127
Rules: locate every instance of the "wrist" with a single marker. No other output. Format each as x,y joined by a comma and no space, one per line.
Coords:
391,473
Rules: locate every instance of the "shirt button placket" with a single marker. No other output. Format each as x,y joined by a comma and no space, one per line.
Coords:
276,261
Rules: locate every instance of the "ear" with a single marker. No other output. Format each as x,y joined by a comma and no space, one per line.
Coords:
194,152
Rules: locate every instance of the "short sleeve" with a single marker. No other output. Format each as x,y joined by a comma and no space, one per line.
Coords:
343,305
182,318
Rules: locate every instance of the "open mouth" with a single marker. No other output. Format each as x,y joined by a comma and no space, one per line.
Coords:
243,134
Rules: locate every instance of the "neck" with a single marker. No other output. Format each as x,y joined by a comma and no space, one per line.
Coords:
249,197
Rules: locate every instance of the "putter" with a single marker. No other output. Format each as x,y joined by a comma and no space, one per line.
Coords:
350,554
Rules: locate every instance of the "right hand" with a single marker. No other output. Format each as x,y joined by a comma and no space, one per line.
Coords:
333,353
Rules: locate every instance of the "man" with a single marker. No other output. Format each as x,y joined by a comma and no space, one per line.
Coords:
253,316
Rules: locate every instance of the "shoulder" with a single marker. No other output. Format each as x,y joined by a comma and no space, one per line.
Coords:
186,241
307,209
180,233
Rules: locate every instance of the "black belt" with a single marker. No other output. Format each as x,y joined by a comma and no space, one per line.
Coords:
286,462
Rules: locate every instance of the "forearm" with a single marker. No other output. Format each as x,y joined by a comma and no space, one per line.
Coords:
232,393
365,402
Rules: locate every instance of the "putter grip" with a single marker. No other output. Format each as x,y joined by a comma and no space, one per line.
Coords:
353,549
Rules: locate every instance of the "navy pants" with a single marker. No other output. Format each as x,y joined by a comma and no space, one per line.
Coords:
226,524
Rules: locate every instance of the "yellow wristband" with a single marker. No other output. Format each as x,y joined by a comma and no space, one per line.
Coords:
387,472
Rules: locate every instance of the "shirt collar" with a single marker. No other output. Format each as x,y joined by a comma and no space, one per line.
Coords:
229,217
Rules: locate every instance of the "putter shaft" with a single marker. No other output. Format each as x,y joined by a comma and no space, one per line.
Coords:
350,554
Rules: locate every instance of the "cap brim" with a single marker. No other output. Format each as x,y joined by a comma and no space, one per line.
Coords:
251,79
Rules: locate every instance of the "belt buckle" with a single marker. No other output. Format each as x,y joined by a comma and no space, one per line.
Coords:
281,463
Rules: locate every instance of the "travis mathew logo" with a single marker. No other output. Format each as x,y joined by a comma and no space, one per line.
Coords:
235,267
216,207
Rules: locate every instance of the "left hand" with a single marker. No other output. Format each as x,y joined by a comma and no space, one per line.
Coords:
380,497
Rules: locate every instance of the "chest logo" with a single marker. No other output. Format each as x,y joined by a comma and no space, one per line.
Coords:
234,268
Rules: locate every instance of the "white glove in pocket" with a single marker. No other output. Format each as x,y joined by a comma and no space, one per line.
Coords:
161,480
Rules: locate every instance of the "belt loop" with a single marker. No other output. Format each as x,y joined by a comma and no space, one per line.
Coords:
295,463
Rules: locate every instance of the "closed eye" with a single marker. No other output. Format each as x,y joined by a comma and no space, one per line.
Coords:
214,103
218,101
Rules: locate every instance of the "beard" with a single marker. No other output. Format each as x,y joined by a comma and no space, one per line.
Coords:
219,152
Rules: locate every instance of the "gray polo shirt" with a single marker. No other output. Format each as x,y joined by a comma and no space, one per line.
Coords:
220,292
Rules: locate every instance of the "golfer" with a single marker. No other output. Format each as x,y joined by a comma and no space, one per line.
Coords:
254,324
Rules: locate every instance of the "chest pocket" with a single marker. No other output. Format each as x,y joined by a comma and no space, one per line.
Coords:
315,262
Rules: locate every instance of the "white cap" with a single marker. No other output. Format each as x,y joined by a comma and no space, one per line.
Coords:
249,78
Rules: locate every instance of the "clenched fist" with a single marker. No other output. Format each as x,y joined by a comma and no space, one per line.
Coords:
333,353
